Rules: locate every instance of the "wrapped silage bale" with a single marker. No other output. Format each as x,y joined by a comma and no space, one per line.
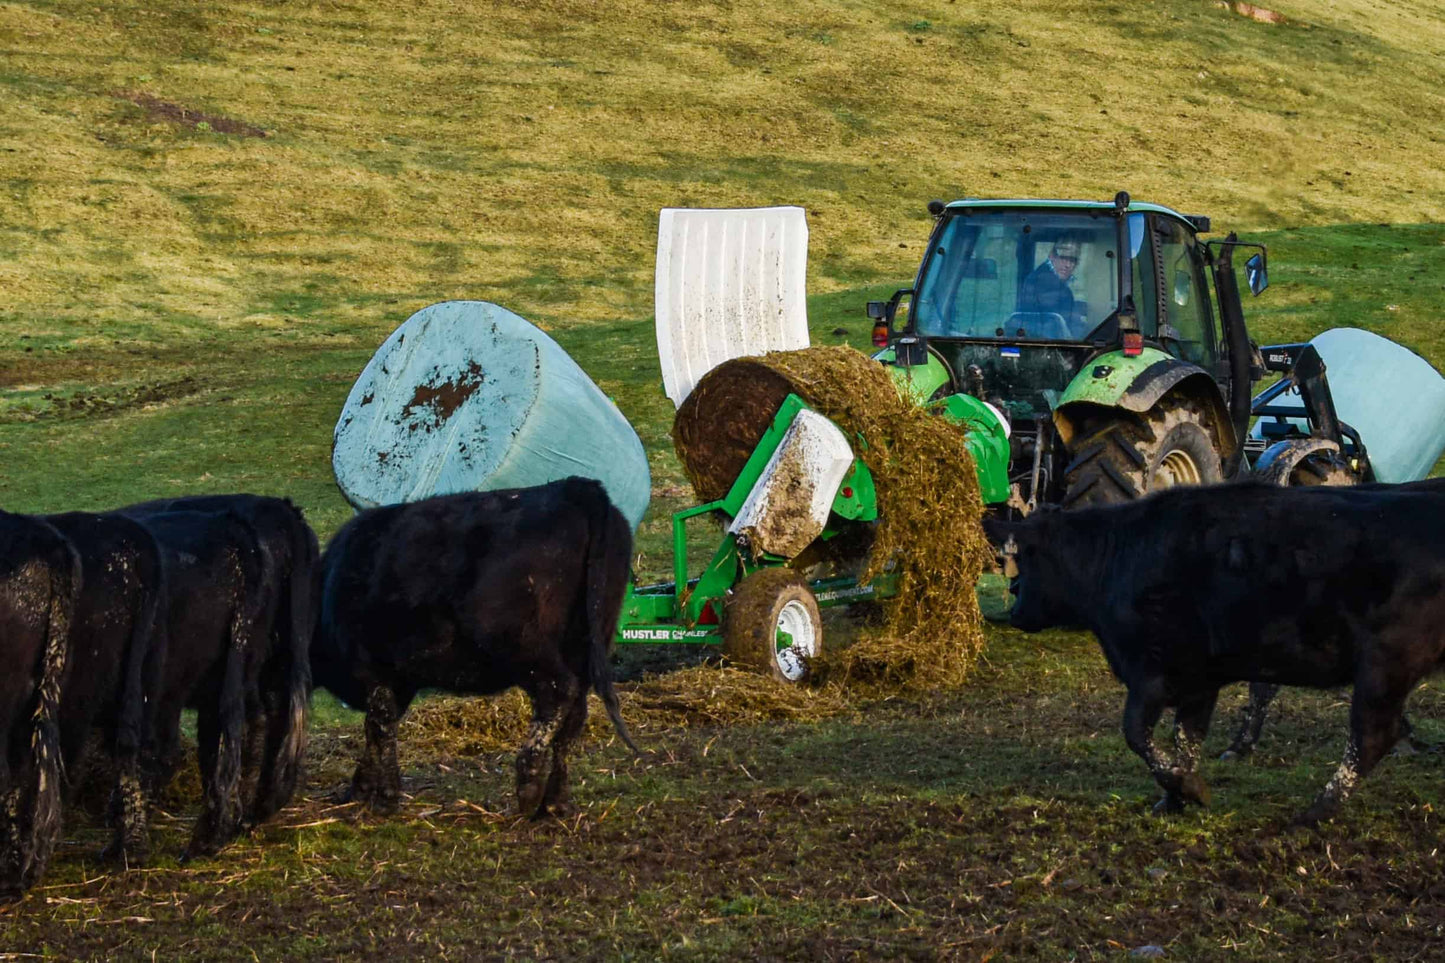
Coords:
1389,394
467,396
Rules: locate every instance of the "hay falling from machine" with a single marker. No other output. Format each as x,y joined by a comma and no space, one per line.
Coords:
928,500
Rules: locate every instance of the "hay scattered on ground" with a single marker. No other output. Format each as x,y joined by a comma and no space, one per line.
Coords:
701,696
929,503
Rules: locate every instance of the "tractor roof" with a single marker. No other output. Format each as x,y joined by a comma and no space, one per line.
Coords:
975,203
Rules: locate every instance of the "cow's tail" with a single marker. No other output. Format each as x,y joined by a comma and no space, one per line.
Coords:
609,553
301,605
34,822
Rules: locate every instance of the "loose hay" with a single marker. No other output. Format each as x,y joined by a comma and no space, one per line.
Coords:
929,503
928,530
693,697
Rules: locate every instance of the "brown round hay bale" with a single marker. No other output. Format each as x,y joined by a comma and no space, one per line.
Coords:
719,424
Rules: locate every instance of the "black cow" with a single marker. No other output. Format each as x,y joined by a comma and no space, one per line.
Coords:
1195,588
116,656
277,709
476,593
1261,694
217,615
39,578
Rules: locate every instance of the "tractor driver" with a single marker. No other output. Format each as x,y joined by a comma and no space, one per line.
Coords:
1046,289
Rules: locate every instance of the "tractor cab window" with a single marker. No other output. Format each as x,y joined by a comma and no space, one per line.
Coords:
1018,274
1173,301
1187,328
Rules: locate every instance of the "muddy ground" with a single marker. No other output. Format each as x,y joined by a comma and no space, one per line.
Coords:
1005,820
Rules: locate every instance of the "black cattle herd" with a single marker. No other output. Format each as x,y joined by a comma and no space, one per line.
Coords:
111,624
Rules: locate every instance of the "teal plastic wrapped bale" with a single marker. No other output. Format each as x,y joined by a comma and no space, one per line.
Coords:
467,396
1393,397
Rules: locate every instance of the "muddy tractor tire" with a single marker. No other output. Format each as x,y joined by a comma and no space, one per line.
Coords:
771,624
1128,457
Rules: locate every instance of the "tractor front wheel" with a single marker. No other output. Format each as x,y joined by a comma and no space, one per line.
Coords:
771,623
1127,458
1322,468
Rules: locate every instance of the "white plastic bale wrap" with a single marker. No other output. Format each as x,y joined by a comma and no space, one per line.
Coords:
729,283
1390,395
789,504
467,396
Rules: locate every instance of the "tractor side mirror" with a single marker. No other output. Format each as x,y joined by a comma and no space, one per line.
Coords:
1256,273
909,352
877,310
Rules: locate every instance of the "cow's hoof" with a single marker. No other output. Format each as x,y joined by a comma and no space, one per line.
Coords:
131,857
371,797
379,804
1170,805
1194,789
1313,816
560,808
196,851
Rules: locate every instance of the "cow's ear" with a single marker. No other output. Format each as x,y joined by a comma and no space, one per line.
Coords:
997,530
1004,537
1010,551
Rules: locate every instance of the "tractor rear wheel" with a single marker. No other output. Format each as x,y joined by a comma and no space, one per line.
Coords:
771,623
1127,458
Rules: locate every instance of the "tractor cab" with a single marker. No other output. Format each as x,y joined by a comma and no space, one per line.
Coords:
1069,317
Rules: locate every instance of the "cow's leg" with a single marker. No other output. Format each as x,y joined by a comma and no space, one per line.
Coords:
12,856
253,755
1375,727
218,736
1261,694
131,843
1406,745
555,798
1142,710
1191,725
533,769
377,783
219,732
162,752
284,724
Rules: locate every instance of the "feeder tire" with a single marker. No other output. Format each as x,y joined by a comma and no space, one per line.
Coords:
767,602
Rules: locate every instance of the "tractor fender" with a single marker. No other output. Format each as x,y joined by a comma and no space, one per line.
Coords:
1279,460
1137,384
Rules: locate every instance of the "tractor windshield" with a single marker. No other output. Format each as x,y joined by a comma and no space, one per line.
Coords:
1013,273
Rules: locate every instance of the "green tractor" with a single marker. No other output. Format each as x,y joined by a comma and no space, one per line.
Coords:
1110,337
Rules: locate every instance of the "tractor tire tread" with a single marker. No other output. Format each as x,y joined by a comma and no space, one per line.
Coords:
1114,463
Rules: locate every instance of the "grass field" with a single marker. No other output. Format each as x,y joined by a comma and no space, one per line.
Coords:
212,217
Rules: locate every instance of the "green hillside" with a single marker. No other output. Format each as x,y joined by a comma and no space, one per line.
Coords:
211,219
